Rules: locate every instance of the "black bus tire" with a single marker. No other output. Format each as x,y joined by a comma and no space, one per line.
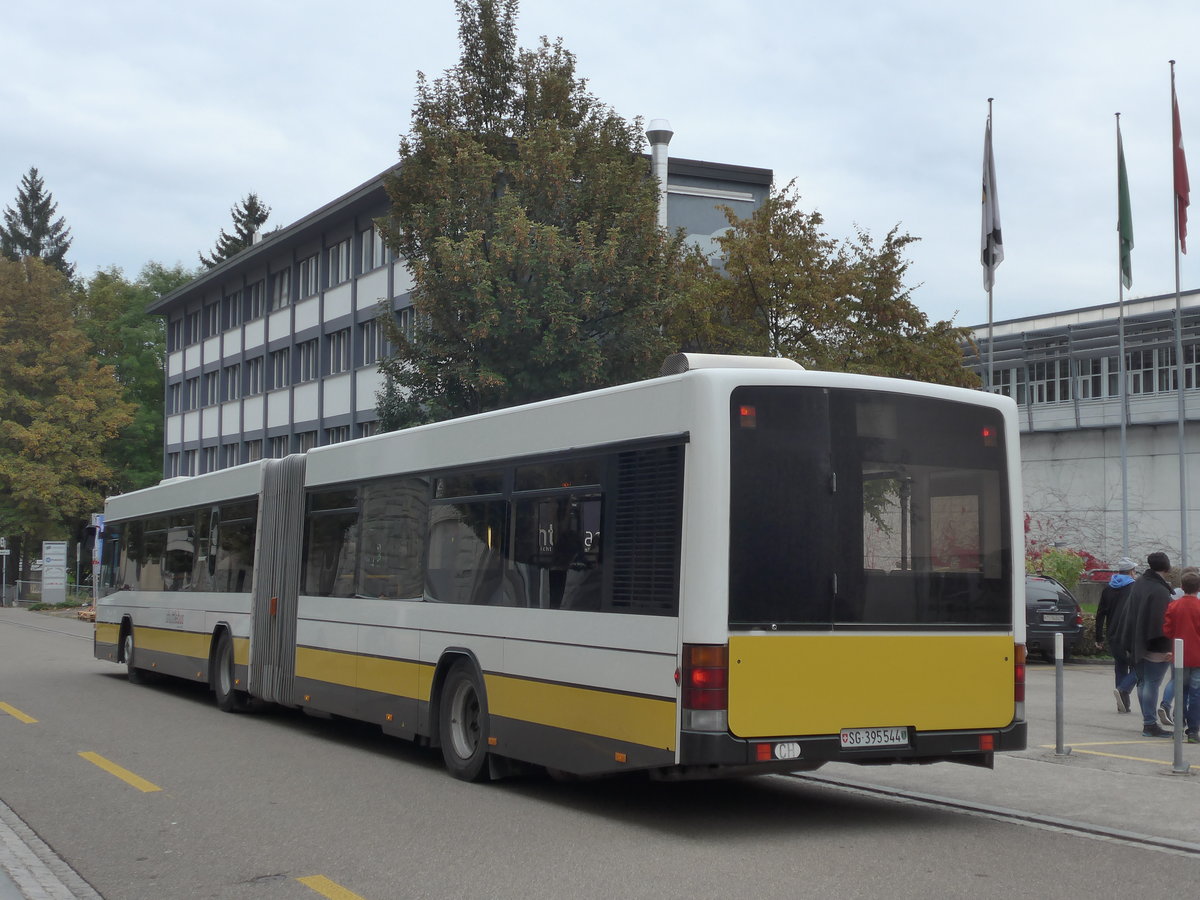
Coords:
135,675
229,699
463,724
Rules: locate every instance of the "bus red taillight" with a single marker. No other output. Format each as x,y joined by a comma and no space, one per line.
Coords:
705,680
1019,678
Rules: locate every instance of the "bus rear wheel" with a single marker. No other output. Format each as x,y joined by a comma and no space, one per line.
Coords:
463,724
229,699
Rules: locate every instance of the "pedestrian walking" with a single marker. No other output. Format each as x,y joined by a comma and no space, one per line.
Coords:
1142,633
1182,621
1110,617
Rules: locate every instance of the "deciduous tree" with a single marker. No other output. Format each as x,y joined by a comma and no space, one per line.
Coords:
31,229
526,213
59,407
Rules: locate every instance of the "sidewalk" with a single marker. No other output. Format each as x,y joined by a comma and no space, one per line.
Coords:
1112,779
30,870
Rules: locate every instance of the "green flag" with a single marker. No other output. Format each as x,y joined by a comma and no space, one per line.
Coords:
1124,215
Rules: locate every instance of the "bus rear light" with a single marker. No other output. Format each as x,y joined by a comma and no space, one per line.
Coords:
987,742
704,687
1019,681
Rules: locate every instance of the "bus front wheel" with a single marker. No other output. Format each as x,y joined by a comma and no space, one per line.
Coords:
463,724
129,651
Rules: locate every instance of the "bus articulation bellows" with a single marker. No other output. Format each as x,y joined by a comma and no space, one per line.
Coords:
740,566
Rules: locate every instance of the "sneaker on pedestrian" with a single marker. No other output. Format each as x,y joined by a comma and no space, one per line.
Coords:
1153,730
1164,716
1193,738
1122,701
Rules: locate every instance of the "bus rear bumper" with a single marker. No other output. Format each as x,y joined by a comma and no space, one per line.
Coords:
974,747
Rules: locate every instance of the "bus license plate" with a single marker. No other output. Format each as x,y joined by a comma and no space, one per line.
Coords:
853,738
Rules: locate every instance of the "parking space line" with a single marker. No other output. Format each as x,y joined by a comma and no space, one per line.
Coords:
327,888
16,713
124,774
1157,762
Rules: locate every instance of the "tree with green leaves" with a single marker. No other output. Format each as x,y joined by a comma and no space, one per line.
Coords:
31,229
59,407
526,213
112,315
790,289
248,214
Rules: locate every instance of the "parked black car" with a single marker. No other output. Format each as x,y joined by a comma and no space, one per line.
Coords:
1049,608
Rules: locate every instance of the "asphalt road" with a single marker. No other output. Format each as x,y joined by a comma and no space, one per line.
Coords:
183,801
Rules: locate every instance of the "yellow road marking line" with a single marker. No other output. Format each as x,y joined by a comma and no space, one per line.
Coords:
1075,749
124,774
327,888
17,714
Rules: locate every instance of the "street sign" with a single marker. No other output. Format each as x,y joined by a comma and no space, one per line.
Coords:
5,552
3,543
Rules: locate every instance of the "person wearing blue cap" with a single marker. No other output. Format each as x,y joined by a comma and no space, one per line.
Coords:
1109,613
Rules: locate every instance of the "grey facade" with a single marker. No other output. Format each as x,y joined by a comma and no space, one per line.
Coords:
276,350
1062,369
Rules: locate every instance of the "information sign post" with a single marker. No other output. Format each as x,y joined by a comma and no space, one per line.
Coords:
54,571
4,551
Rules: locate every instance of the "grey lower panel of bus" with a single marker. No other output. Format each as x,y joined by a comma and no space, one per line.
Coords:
705,749
573,751
277,581
395,715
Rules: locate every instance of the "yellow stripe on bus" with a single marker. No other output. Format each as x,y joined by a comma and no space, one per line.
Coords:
180,643
107,632
639,720
398,677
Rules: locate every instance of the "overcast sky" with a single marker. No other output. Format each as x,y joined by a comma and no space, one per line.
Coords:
149,120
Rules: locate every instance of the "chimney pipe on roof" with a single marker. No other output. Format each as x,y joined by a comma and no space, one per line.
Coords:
659,134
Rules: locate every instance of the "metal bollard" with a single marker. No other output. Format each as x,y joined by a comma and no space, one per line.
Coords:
1059,749
1179,767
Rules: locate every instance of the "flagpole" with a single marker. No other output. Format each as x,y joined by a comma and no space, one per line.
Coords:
1123,392
991,338
1183,491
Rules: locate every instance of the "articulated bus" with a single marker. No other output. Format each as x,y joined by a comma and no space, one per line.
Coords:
740,566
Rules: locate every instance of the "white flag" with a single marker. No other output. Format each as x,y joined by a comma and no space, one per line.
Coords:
991,243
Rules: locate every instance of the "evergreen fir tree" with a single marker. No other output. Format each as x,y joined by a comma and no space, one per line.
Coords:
248,215
32,230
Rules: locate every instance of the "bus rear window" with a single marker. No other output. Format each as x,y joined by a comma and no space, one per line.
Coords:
858,509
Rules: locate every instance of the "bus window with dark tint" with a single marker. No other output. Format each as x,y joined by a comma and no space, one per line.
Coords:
468,484
127,577
201,574
151,576
330,546
395,518
466,555
112,541
572,473
909,494
233,560
556,551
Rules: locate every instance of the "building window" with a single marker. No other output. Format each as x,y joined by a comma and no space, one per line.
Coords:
337,435
173,395
366,249
1050,381
231,310
191,390
406,321
233,382
254,376
255,295
253,451
339,351
305,441
172,465
174,334
366,429
212,389
212,319
211,457
307,361
281,289
374,345
279,446
308,275
192,327
233,455
1141,371
339,262
281,373
189,463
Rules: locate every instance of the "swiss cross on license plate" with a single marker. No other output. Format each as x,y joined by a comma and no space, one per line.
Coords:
856,738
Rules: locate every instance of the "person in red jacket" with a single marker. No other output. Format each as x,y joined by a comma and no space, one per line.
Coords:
1182,620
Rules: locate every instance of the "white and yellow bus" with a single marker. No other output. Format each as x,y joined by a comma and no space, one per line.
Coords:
740,566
